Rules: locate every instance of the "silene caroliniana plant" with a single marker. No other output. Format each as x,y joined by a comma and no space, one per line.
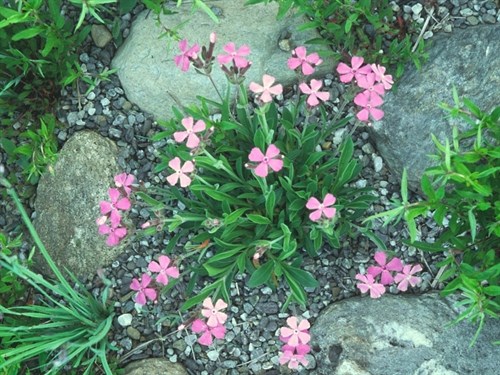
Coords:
260,192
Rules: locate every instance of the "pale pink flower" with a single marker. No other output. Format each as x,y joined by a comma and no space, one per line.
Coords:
180,172
321,209
385,268
206,338
356,70
115,233
190,133
267,89
213,313
294,355
367,82
125,182
235,55
406,277
368,284
369,102
384,79
272,159
163,269
143,292
306,62
117,202
314,93
296,333
187,53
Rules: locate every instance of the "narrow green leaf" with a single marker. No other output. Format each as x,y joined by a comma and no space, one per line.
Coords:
261,275
473,224
404,187
258,219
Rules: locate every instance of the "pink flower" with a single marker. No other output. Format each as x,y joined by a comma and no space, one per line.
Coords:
115,233
182,60
296,333
368,284
143,292
272,159
125,182
367,82
385,79
294,355
313,92
180,172
394,265
406,277
192,139
213,313
235,55
301,59
206,339
163,269
117,202
347,73
369,102
321,208
267,89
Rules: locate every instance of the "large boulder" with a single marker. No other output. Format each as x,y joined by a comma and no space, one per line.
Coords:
67,205
401,335
467,59
152,81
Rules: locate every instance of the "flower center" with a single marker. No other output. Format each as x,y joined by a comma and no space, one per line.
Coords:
265,160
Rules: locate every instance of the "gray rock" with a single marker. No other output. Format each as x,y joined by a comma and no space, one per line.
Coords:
67,205
400,335
465,59
154,366
153,82
100,35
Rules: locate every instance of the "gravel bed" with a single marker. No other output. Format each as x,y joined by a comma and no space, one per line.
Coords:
251,345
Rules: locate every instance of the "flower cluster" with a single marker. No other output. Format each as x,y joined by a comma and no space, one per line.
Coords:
296,338
110,223
387,273
145,290
213,326
374,82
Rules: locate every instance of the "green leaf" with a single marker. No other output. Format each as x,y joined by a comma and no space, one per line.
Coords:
404,187
303,278
492,290
270,204
258,219
261,275
473,224
28,33
233,216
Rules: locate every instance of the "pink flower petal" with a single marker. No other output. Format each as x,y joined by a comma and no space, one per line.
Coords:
256,155
275,164
312,203
261,170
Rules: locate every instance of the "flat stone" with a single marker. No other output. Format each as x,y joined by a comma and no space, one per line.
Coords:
154,366
100,35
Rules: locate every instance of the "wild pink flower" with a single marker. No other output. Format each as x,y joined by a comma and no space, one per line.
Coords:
272,159
115,233
180,172
356,70
296,333
406,277
368,284
124,181
294,355
367,82
117,202
384,79
213,313
143,292
267,89
369,102
190,133
235,55
187,53
314,93
306,62
385,268
163,269
199,326
321,209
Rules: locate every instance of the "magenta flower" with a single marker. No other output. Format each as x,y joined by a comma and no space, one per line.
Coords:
272,159
301,59
368,284
406,277
385,268
125,182
314,93
347,73
294,355
367,82
187,53
163,269
143,292
267,89
296,333
192,139
235,55
206,338
117,202
369,102
384,79
213,313
115,233
180,172
321,209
